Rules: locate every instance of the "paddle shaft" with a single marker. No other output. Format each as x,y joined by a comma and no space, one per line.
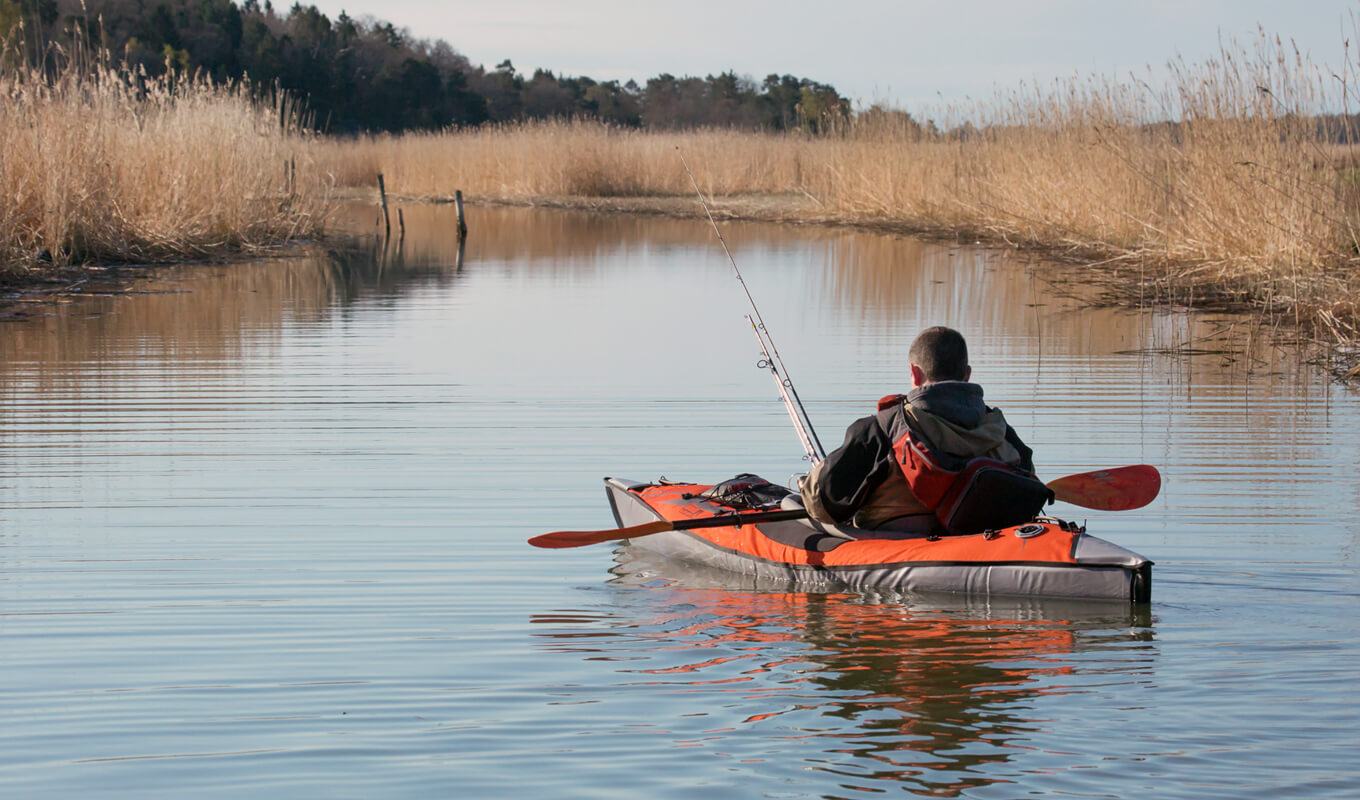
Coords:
583,538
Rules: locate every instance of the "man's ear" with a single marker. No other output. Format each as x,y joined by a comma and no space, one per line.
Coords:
918,377
968,372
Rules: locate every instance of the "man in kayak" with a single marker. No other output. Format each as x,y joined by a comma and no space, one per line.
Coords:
915,465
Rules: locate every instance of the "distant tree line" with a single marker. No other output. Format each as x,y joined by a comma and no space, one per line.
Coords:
367,75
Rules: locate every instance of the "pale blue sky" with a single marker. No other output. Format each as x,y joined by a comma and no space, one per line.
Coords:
914,54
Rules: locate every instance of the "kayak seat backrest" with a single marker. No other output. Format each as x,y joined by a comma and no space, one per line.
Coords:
990,495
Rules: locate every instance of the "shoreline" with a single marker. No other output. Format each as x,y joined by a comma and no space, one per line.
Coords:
24,291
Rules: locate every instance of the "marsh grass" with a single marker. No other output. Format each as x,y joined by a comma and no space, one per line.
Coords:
101,164
1217,190
559,158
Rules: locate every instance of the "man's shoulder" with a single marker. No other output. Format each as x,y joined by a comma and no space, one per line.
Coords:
890,401
866,423
873,428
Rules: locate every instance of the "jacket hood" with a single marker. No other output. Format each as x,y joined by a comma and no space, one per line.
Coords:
953,417
958,402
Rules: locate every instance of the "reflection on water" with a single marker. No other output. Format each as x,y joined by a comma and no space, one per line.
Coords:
262,531
867,283
877,691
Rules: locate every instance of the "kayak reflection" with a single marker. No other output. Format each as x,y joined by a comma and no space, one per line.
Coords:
937,693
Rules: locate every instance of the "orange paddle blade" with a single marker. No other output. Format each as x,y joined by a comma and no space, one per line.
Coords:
583,538
1119,489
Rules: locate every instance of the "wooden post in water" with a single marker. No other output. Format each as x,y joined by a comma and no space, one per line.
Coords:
382,192
462,224
401,226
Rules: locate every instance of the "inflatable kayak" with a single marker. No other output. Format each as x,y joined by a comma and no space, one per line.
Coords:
1044,558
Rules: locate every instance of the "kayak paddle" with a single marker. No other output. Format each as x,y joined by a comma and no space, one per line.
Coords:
1119,489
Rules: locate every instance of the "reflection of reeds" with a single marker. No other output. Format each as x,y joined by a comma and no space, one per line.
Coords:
1218,190
103,164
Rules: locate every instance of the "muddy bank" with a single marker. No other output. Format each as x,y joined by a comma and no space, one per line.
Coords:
26,292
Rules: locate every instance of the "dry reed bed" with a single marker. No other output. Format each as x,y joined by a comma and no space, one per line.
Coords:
515,163
107,166
1238,203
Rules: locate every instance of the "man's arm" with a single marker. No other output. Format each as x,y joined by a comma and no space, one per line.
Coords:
839,485
1026,454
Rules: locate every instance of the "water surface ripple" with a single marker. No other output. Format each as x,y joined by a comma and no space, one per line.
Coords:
262,532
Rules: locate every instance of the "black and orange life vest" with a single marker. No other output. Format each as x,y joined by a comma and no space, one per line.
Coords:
968,494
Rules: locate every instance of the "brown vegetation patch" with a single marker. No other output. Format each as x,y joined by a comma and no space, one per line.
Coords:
103,165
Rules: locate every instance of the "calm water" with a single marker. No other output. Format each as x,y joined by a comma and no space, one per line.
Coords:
262,533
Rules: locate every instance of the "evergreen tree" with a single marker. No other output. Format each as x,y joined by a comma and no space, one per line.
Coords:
358,76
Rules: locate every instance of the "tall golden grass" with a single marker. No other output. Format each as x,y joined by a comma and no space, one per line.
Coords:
101,164
560,158
1215,189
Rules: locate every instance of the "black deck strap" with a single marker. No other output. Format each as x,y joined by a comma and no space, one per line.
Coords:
747,518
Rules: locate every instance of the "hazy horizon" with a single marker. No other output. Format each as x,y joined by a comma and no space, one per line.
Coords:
909,55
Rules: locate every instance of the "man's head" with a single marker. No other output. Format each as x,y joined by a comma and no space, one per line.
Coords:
939,354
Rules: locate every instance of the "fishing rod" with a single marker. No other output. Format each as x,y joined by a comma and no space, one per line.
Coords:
802,424
812,448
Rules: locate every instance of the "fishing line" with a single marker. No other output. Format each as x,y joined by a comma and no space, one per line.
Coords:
801,422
